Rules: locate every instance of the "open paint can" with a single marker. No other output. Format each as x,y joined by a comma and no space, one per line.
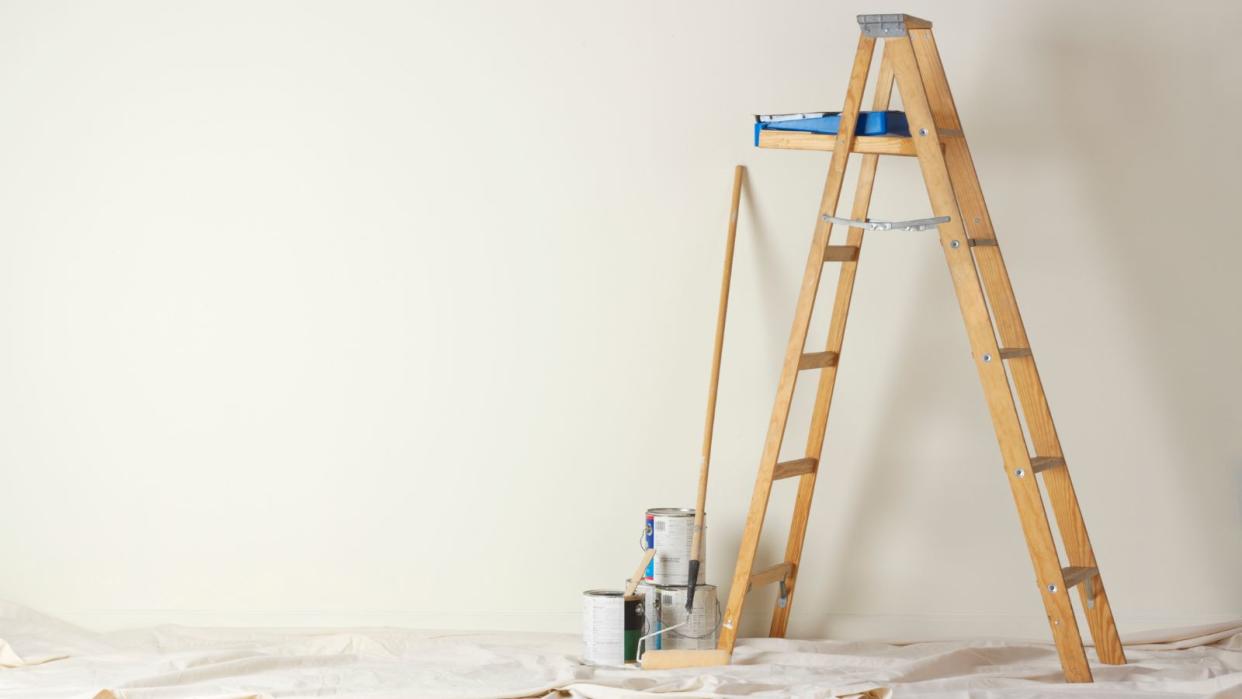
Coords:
612,623
670,531
664,606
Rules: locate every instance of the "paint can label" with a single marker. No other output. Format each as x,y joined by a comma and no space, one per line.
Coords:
648,544
611,626
671,533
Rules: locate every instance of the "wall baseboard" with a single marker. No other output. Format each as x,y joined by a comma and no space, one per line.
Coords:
846,626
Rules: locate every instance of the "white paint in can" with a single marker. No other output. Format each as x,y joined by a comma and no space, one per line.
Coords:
664,606
612,623
672,535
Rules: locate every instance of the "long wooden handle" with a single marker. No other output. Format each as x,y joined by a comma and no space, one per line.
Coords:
701,503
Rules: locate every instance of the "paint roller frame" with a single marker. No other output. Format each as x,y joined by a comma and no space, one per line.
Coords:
668,659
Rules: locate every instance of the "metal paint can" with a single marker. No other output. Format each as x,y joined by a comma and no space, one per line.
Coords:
670,531
612,622
665,606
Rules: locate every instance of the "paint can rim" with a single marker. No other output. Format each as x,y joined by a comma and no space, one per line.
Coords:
672,511
663,586
613,593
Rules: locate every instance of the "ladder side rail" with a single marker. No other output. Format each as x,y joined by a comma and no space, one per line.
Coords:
992,375
828,376
789,373
1012,331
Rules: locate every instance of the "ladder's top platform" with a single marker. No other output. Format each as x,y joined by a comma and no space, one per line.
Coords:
884,133
869,123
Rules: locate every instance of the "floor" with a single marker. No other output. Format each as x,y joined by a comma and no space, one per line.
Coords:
43,657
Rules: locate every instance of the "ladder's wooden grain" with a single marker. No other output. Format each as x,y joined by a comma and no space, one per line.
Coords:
834,343
797,340
803,140
841,253
1009,325
796,467
1077,575
817,360
989,308
1003,408
776,573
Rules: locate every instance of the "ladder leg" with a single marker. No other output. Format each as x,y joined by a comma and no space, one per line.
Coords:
828,376
988,362
797,340
995,276
1044,439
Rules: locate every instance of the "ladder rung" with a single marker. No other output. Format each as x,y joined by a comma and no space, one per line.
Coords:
817,360
983,242
767,576
1015,352
1075,575
1043,463
840,253
797,467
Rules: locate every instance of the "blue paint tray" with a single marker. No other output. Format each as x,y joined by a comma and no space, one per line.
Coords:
869,123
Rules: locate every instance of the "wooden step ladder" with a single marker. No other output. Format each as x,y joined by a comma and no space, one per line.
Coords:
998,342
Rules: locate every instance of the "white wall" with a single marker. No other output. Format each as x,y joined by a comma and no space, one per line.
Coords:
396,313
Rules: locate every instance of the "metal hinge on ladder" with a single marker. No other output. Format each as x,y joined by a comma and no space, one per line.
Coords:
884,26
918,224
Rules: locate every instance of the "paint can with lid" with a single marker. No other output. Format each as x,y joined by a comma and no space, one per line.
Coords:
612,623
664,607
670,531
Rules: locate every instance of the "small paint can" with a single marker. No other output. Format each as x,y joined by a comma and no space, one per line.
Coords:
670,531
612,622
664,606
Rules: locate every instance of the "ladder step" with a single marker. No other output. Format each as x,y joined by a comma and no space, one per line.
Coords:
840,253
1015,352
777,573
983,242
797,467
1043,463
1075,575
817,360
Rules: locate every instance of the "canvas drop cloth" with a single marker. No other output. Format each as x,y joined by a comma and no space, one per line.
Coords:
43,657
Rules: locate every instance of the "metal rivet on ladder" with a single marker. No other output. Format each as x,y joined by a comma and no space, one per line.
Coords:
922,132
955,244
1052,588
1019,472
987,357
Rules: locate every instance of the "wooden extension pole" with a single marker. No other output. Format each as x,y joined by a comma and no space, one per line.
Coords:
710,422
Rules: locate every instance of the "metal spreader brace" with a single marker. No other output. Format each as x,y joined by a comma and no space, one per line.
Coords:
918,224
